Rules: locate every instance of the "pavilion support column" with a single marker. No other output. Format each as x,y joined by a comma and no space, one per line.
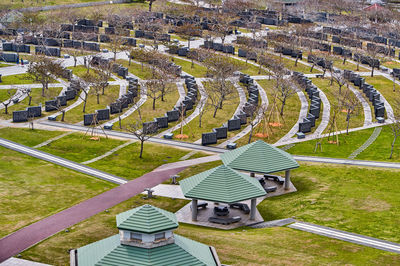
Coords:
253,209
287,179
194,209
252,174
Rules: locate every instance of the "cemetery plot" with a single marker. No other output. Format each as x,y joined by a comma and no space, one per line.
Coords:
18,79
337,61
208,122
111,93
332,93
32,189
140,71
197,70
147,112
385,87
37,100
80,71
275,129
79,147
250,69
290,64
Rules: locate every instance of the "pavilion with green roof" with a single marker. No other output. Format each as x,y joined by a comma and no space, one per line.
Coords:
145,238
260,157
222,185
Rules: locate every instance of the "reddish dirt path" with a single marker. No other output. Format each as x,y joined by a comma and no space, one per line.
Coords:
24,238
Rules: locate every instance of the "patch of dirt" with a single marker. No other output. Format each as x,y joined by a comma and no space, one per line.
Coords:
370,204
275,124
181,136
261,135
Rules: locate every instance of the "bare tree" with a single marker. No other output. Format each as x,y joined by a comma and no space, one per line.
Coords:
136,128
6,103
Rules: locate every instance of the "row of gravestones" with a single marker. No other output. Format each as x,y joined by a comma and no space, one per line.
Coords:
282,38
163,37
51,105
258,43
240,118
19,48
9,57
288,51
315,107
381,49
187,104
229,49
370,92
319,61
115,107
367,60
55,43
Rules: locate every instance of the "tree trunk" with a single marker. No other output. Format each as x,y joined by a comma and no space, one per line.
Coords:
283,106
84,103
30,100
344,60
119,122
150,4
391,150
98,98
141,148
63,115
312,67
6,109
372,70
154,104
75,60
394,83
348,121
297,59
215,111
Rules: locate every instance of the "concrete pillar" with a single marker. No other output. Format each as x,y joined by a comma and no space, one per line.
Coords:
287,179
194,209
253,209
252,174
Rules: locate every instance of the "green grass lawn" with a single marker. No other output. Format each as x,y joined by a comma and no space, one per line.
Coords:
80,148
81,70
5,96
268,246
26,136
17,79
290,64
147,112
193,130
5,65
111,94
385,87
33,3
331,92
290,116
127,164
37,99
390,63
197,70
250,69
32,189
338,62
136,69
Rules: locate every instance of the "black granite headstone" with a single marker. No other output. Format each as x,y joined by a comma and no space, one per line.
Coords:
234,124
162,122
20,116
103,114
34,111
208,138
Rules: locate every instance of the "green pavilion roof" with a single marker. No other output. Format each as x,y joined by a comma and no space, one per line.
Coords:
147,219
259,157
110,251
222,184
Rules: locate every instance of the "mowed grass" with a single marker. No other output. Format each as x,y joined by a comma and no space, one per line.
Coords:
26,136
385,87
136,69
81,70
208,122
146,110
127,164
290,64
289,119
332,92
79,147
37,99
35,3
32,189
250,69
196,70
111,94
268,246
55,249
4,94
17,79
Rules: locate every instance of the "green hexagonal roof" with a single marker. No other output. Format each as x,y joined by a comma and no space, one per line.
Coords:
259,157
147,219
222,184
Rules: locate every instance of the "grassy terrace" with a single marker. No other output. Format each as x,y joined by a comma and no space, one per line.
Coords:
193,130
197,70
37,99
79,148
27,136
337,61
5,96
127,164
331,91
290,115
17,79
318,189
249,68
385,87
27,182
136,69
81,70
290,64
147,112
110,95
390,63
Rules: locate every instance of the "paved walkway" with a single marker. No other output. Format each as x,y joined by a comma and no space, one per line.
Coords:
24,238
346,236
256,121
47,142
21,262
365,105
366,144
61,161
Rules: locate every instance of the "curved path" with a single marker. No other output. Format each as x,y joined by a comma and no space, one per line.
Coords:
256,121
365,105
303,114
326,112
196,112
